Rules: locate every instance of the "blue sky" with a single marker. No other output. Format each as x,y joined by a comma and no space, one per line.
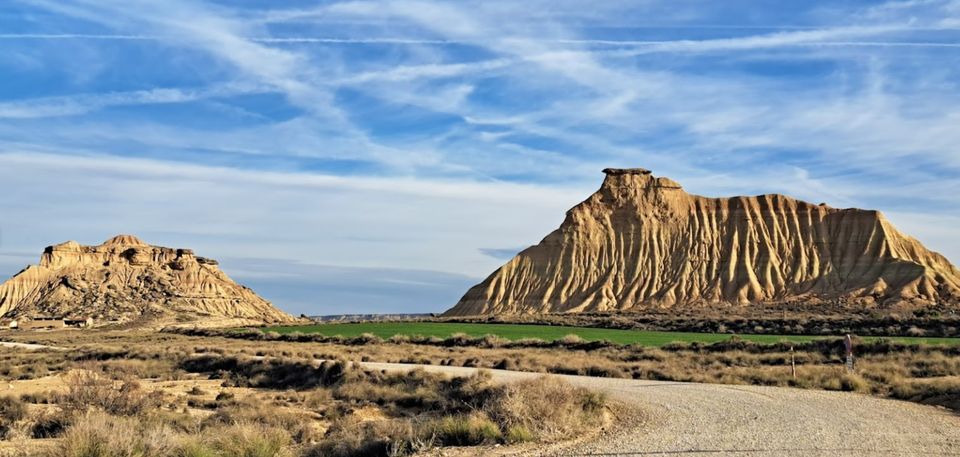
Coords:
381,156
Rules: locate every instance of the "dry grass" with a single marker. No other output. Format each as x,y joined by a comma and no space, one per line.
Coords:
12,410
88,389
546,409
269,399
275,385
881,366
97,434
453,412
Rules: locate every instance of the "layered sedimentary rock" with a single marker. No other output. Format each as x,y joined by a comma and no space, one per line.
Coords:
126,279
642,241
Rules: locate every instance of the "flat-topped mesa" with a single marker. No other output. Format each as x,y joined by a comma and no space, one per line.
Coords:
124,279
640,241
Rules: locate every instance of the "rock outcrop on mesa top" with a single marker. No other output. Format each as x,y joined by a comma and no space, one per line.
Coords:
125,279
641,241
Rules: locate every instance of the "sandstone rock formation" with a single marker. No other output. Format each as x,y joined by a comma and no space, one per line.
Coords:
125,279
642,241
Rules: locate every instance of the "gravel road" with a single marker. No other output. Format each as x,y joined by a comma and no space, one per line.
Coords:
688,419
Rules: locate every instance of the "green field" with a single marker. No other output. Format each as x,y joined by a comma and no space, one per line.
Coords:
551,333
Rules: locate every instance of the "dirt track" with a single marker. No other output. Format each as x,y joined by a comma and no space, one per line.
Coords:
686,419
34,347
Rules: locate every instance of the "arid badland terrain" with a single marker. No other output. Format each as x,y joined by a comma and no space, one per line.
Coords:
642,242
126,280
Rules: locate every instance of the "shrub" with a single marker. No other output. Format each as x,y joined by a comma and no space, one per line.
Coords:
399,339
851,382
518,434
12,410
459,339
546,407
88,389
466,430
942,391
251,413
274,373
251,440
570,339
371,439
192,446
51,424
365,338
97,434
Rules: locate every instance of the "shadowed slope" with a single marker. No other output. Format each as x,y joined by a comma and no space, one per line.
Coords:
643,241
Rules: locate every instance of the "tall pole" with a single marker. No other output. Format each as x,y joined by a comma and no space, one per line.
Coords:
793,364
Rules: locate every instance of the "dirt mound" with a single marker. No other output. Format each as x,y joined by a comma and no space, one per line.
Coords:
642,241
125,279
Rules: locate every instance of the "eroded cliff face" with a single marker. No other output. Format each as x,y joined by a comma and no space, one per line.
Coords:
642,241
125,279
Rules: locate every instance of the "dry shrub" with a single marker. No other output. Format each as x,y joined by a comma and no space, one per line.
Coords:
468,411
399,339
466,430
415,389
459,339
249,440
314,399
518,434
254,413
492,341
570,339
142,369
12,410
546,407
938,391
196,391
96,434
852,382
365,338
387,438
387,395
50,424
89,389
272,374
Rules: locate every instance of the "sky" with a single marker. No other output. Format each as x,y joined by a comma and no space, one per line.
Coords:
383,156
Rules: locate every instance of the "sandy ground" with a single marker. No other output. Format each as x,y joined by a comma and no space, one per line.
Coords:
689,419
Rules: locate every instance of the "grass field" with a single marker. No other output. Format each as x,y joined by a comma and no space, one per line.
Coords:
551,333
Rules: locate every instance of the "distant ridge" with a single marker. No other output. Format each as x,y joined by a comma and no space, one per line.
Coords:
124,280
641,241
368,317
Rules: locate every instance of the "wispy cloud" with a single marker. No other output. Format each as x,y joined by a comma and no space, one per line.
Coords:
85,103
